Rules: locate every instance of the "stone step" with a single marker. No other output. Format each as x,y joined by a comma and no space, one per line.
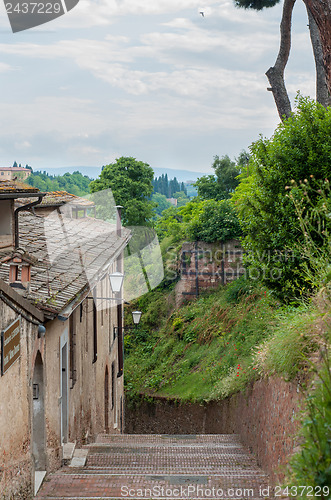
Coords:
79,458
68,450
39,476
137,466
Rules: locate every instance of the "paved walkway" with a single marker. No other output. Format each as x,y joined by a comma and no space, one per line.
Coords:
161,467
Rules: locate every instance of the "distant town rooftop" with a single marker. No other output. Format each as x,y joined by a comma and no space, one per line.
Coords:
15,169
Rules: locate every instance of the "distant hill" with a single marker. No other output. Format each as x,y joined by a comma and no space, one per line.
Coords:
93,172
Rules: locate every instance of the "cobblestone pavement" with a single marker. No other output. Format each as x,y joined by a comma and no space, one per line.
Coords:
161,467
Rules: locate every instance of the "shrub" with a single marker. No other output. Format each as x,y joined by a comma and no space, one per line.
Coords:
300,146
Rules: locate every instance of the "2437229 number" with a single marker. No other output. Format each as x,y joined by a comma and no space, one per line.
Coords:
298,491
33,8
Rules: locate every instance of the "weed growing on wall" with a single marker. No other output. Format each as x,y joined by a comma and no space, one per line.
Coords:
312,465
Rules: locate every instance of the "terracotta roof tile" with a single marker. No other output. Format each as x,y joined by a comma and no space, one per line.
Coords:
59,198
71,254
16,186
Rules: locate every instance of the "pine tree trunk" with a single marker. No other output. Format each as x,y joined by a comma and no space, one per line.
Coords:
321,12
275,74
322,94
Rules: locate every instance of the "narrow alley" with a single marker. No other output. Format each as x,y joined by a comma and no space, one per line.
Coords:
159,466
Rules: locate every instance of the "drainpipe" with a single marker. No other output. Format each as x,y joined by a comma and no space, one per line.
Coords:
20,209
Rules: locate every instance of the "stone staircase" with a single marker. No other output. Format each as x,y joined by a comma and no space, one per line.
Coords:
159,466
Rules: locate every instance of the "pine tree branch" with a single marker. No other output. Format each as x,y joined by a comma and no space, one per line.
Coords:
321,12
322,94
275,74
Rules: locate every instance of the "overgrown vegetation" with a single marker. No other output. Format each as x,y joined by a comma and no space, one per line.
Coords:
299,148
75,183
213,347
312,465
275,324
204,220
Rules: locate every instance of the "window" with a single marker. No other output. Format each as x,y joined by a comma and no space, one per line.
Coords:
72,349
95,329
113,385
81,312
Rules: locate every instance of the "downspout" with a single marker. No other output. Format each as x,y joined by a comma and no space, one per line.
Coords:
20,209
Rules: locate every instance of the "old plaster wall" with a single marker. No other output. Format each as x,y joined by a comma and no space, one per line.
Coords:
87,401
54,330
87,394
15,462
264,417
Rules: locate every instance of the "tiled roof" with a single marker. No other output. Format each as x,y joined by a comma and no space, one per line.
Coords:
16,186
72,256
56,198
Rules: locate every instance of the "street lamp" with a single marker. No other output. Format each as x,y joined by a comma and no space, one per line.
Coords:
136,315
116,281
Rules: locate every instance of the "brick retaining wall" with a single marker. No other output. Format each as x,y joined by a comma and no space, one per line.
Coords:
264,417
206,266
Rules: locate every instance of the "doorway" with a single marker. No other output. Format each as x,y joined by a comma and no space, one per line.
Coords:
107,401
113,394
38,416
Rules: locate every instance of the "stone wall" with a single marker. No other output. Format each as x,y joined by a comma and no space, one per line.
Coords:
264,417
207,265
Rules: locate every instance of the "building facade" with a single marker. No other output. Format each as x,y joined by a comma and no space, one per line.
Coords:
10,173
61,336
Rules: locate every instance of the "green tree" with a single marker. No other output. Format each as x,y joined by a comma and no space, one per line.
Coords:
131,183
224,182
161,203
170,224
181,198
213,220
208,188
205,220
299,148
76,183
163,186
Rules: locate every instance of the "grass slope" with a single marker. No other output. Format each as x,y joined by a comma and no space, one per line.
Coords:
213,347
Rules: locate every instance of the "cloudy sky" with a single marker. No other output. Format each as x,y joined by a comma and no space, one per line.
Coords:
151,79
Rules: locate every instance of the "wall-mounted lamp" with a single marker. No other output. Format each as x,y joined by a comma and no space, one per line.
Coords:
136,315
41,331
116,281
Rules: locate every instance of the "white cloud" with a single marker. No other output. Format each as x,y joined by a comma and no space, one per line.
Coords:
168,73
113,59
22,145
4,68
63,117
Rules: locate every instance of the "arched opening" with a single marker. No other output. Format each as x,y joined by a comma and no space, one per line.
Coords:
107,400
38,416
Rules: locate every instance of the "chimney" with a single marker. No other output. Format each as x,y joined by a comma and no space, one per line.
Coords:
19,269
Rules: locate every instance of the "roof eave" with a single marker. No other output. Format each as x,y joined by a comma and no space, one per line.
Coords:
14,195
21,301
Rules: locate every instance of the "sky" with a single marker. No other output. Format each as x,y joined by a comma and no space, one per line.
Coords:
155,80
